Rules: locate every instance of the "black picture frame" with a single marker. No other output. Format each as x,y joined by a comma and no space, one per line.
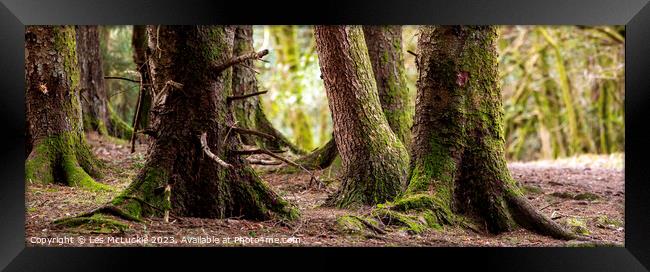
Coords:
635,14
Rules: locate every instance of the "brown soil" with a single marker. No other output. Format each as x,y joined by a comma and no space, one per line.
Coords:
572,193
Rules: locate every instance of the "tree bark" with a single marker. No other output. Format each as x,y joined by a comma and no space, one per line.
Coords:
193,152
97,113
58,151
385,49
249,112
458,160
374,161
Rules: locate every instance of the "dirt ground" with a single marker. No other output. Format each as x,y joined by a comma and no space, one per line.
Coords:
586,194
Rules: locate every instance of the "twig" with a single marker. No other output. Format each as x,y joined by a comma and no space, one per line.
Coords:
122,78
240,97
262,162
269,153
240,59
204,144
417,62
250,68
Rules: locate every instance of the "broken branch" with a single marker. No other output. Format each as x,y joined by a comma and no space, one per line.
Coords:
122,78
240,97
240,59
269,153
262,162
203,138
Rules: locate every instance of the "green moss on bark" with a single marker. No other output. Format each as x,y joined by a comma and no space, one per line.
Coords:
64,158
119,128
96,223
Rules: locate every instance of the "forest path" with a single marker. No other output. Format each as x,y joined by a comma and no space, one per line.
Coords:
584,193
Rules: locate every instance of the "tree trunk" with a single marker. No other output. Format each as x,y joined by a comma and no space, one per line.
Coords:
374,161
191,154
249,112
58,150
458,160
139,43
97,113
385,49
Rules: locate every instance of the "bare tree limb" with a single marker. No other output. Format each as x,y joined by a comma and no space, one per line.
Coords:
122,78
203,138
240,97
271,154
240,59
262,162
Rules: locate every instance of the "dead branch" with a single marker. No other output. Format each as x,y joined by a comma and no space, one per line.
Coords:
122,78
240,97
252,132
271,154
262,162
159,97
240,59
204,144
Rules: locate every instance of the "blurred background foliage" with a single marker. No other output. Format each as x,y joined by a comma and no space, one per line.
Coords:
115,43
563,87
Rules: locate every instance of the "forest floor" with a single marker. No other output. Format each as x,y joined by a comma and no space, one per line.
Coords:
586,194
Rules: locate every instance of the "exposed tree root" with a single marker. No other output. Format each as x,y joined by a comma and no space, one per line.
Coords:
95,223
417,213
527,216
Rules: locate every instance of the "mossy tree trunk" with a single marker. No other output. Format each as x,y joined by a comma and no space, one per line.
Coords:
374,160
97,113
458,161
206,178
139,43
249,113
57,148
385,49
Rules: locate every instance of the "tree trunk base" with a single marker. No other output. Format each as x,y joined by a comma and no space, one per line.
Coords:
245,198
418,212
357,190
64,158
